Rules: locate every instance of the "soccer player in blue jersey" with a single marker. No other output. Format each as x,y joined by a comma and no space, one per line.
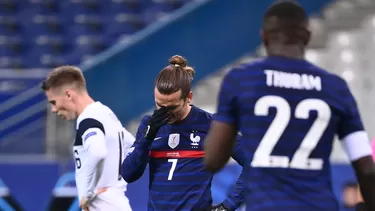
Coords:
288,111
171,142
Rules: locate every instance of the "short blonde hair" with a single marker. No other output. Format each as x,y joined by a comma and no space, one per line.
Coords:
65,75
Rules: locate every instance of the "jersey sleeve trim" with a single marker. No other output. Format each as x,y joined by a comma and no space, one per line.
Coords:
92,133
357,145
85,125
94,142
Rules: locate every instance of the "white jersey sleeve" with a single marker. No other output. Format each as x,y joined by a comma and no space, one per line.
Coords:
357,145
95,145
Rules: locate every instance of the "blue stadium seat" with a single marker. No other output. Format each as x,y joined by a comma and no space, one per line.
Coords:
92,44
46,60
41,24
162,6
52,61
43,6
7,52
8,7
122,6
86,24
9,25
31,60
10,62
11,46
75,7
48,44
123,24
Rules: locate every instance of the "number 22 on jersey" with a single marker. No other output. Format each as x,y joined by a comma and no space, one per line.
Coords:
300,159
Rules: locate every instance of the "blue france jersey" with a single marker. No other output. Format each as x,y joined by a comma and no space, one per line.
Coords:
178,178
288,112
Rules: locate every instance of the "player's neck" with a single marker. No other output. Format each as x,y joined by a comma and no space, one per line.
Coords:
83,102
186,113
289,51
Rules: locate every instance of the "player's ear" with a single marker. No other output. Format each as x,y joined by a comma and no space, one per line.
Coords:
263,35
189,97
68,94
308,36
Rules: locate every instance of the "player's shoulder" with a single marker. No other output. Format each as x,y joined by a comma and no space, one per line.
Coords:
203,114
330,78
92,111
93,117
247,69
255,64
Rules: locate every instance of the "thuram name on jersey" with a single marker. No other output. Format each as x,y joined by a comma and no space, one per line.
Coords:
286,80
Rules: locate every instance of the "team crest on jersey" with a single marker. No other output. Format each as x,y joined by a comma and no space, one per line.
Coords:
194,140
173,140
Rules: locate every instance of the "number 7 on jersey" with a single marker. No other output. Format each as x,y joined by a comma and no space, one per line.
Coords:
173,168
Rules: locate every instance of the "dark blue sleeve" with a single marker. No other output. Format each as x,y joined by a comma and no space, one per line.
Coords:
227,109
350,121
138,156
236,195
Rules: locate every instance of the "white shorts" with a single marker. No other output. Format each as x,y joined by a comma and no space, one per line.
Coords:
111,200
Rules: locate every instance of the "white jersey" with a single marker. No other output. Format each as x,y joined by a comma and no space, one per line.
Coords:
100,146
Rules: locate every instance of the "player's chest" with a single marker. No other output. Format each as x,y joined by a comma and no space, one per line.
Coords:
179,139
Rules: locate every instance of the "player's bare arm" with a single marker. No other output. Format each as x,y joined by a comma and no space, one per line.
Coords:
219,145
236,194
365,172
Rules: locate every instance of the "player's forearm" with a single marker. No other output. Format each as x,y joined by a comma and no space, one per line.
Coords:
367,184
365,172
368,191
135,163
94,170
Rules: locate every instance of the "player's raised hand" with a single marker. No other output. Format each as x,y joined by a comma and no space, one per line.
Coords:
219,207
158,119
